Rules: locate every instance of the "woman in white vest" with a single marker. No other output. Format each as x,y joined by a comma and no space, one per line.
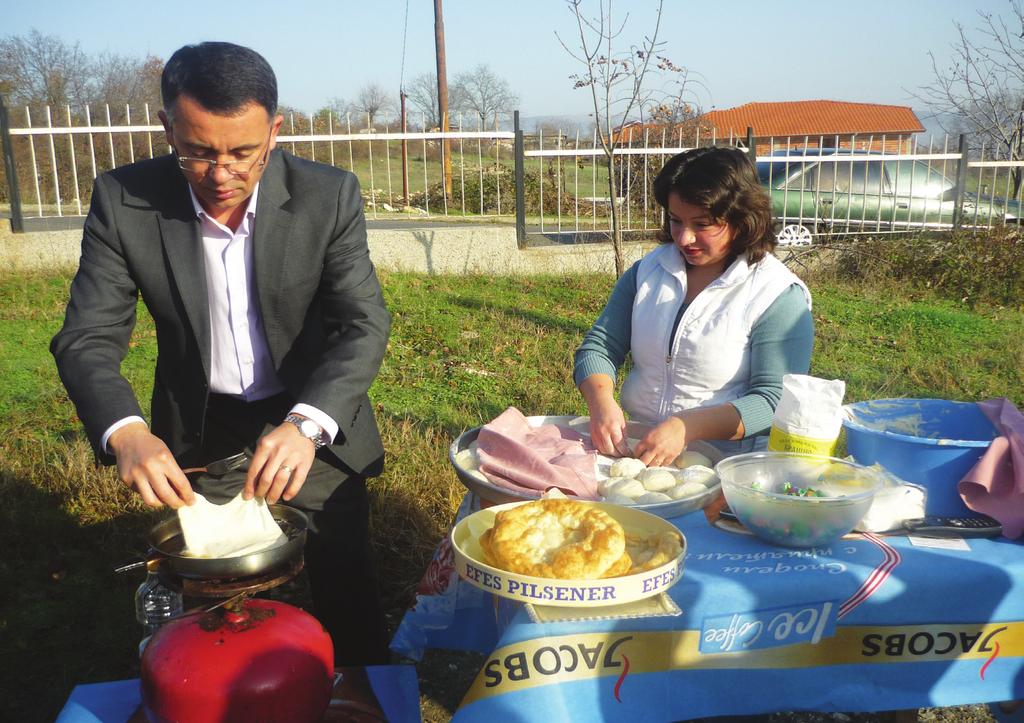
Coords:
711,319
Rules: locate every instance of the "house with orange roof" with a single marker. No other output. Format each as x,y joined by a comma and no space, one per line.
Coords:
819,123
810,123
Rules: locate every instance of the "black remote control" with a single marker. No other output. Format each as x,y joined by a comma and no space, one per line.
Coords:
726,514
935,526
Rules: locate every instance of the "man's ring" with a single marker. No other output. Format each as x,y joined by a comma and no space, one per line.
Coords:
286,469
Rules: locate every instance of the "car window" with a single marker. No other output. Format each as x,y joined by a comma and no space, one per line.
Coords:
775,173
803,176
861,177
915,178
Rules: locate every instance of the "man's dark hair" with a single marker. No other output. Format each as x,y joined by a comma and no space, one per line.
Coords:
723,181
221,77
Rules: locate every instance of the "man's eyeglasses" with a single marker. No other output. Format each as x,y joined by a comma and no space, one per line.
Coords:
203,166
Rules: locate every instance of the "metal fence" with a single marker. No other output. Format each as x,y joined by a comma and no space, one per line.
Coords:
57,156
549,183
819,186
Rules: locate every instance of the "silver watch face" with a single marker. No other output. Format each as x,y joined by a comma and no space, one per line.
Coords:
310,429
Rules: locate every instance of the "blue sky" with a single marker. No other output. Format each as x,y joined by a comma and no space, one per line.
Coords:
744,50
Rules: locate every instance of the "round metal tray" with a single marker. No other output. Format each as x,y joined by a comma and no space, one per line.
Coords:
495,494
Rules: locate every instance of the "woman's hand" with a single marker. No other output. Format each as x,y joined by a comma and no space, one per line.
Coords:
608,430
607,420
664,443
661,446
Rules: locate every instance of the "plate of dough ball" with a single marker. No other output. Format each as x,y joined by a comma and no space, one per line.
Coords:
689,484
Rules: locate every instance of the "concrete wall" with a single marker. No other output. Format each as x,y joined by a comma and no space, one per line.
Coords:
429,250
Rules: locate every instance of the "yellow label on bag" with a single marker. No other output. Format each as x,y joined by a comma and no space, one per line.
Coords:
781,441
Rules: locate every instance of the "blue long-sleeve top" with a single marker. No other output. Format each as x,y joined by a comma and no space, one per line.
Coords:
780,343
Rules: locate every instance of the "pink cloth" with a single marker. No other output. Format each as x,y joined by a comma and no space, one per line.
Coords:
520,457
995,485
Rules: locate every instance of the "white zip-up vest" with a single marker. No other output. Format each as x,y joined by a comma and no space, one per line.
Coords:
708,360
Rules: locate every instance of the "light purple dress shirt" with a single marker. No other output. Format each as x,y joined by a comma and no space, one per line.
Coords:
240,362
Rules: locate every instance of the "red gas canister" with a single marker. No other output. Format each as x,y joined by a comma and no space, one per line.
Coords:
267,661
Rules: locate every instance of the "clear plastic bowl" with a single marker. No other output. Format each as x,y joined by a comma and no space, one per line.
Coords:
797,500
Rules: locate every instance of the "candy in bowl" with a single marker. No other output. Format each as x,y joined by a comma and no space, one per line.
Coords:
797,500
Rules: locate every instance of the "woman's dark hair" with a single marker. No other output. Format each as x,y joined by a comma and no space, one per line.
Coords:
221,77
723,181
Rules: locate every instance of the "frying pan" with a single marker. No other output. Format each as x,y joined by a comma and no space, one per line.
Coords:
166,544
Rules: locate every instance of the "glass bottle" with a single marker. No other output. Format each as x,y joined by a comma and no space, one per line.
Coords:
155,603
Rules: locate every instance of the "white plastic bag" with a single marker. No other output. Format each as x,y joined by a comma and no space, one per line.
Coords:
809,415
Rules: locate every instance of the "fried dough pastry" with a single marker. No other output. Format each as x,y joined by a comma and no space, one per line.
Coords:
620,566
556,538
647,553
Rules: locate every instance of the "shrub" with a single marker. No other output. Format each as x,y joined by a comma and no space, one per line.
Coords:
986,267
481,191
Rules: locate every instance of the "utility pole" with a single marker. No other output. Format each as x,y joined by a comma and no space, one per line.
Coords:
405,153
442,97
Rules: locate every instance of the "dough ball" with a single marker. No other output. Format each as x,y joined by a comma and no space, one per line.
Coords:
700,474
467,459
619,499
687,489
627,467
689,459
627,487
657,479
653,498
605,486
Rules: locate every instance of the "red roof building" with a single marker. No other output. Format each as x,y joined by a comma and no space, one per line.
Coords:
828,123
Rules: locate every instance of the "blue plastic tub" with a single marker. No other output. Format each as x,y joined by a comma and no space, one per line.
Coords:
930,442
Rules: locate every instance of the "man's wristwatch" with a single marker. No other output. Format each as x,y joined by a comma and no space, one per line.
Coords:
308,429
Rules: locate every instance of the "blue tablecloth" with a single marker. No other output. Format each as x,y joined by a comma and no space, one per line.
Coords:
868,623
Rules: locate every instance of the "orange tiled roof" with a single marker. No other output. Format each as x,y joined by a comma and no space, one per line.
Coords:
814,118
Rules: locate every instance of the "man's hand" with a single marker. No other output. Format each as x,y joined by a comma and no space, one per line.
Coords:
280,464
663,444
145,464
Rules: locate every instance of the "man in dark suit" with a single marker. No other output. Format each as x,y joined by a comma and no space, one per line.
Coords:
270,324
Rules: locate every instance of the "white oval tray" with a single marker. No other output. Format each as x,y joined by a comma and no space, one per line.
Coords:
469,561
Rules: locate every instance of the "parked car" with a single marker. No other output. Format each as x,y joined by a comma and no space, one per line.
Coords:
863,194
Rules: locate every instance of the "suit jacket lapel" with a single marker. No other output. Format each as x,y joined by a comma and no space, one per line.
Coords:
183,247
271,239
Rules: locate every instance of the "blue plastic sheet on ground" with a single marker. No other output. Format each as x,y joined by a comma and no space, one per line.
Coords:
395,687
448,613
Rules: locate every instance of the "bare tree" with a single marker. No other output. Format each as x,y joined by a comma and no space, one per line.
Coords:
119,79
340,106
373,100
982,89
43,69
619,86
334,115
422,92
481,92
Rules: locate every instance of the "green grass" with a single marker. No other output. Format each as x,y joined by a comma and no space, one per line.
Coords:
887,345
462,349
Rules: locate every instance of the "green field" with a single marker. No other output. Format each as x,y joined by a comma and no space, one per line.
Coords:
462,350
